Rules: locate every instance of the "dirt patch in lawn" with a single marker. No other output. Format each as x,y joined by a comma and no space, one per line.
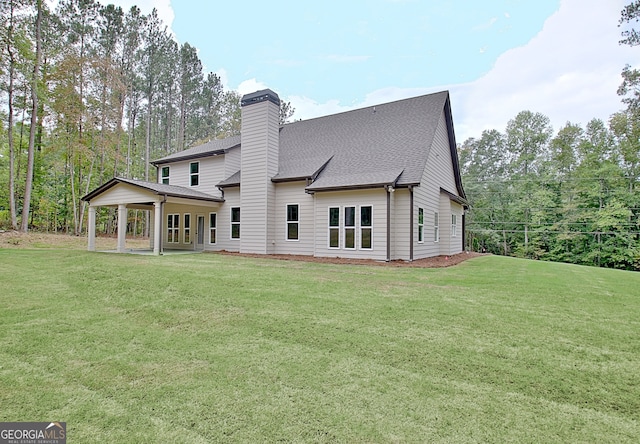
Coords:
431,262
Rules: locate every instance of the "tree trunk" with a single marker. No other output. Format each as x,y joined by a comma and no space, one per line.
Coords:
12,155
34,121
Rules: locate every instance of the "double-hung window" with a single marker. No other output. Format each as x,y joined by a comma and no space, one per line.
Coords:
334,227
213,227
173,228
293,221
366,228
420,225
454,225
436,227
164,175
187,229
350,227
194,173
235,223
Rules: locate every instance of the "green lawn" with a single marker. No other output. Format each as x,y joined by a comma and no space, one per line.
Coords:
212,348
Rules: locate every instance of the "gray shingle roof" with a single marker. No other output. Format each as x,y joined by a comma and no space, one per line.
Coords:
157,188
231,181
206,149
370,146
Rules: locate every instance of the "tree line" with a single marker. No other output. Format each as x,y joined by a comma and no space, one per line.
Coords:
91,92
572,196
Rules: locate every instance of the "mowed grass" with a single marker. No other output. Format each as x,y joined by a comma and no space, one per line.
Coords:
212,348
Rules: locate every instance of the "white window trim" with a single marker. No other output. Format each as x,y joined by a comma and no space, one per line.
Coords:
191,175
420,226
454,225
436,227
175,230
333,227
361,227
163,177
287,222
231,224
353,227
213,228
186,229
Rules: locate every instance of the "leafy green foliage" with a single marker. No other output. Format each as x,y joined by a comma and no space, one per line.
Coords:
570,198
116,90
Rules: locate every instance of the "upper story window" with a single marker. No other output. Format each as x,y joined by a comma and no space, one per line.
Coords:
293,221
420,225
194,173
164,174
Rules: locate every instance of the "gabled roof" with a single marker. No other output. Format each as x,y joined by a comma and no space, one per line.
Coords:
212,147
380,145
156,188
231,181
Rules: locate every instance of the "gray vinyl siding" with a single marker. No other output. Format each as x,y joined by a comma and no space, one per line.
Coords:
259,163
401,223
293,193
232,162
122,194
455,245
232,199
376,198
445,224
438,174
212,171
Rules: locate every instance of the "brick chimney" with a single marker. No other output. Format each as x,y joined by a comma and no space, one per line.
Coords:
260,141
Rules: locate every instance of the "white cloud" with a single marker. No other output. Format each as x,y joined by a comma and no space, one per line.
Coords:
249,86
570,71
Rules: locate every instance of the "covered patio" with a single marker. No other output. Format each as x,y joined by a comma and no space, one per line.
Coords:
125,194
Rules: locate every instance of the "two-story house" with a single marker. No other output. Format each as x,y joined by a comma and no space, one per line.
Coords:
381,182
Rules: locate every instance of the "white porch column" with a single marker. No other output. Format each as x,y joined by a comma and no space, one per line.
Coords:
157,227
91,229
122,227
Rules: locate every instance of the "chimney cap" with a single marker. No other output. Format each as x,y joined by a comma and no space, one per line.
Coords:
260,96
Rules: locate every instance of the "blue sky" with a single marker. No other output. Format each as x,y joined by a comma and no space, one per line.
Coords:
496,57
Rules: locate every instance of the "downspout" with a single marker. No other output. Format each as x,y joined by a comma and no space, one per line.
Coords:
464,230
162,202
411,223
389,188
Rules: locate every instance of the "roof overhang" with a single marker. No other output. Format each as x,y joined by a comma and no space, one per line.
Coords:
188,157
462,201
318,164
150,189
390,181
